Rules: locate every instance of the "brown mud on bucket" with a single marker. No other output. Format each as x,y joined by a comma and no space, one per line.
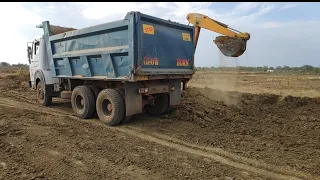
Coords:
230,47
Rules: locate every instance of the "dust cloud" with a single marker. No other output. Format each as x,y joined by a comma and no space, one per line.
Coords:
225,83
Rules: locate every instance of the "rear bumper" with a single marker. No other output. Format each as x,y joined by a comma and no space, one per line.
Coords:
162,76
135,90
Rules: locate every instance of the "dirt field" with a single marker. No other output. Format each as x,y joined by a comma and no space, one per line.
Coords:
213,135
273,83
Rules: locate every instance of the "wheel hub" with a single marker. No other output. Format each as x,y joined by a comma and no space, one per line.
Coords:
80,103
109,107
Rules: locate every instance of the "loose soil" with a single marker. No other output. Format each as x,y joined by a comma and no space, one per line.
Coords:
211,135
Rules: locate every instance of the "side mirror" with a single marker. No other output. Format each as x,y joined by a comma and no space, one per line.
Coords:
29,54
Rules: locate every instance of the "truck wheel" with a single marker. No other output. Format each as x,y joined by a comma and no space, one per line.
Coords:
170,109
83,102
110,107
121,92
43,96
125,118
160,106
95,92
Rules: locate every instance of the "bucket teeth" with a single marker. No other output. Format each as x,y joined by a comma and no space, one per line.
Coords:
231,47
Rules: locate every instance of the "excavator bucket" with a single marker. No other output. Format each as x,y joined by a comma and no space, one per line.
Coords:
231,47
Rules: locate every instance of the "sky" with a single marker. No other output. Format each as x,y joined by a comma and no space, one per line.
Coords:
281,33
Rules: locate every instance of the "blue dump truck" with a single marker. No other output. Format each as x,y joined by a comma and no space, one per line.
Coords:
118,69
113,70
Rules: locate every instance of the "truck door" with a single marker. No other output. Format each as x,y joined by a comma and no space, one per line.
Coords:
34,60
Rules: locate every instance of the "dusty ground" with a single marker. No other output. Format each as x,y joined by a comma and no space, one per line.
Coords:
212,135
248,82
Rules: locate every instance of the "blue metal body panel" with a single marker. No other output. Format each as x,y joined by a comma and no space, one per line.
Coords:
137,45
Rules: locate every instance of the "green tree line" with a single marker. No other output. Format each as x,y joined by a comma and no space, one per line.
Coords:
7,65
279,69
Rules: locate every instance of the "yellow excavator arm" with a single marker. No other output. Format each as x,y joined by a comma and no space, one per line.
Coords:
232,44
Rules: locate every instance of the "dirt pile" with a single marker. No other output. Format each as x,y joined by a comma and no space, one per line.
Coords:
256,126
205,104
210,105
15,83
14,79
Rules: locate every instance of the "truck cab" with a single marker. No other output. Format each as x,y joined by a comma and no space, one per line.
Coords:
38,61
33,57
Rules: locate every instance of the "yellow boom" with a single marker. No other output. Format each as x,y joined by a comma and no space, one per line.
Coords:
232,44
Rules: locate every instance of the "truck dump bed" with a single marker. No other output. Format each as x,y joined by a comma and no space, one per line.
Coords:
138,46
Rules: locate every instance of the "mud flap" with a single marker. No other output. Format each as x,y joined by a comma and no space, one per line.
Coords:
132,98
175,96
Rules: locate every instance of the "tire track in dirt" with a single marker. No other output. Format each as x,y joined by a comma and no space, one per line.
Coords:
217,155
230,156
221,156
32,107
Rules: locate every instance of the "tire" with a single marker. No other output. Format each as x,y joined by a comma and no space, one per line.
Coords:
125,118
110,107
121,92
95,90
43,95
160,106
170,109
83,102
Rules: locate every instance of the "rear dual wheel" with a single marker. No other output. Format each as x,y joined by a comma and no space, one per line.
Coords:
108,104
95,90
125,117
83,102
160,106
110,107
